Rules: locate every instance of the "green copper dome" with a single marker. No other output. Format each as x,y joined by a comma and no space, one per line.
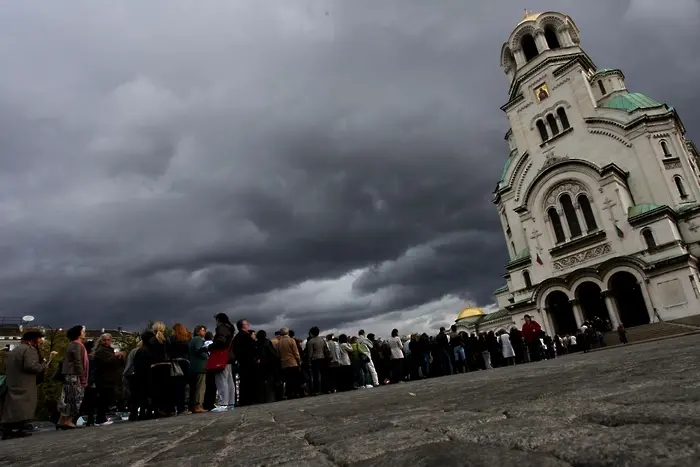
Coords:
641,209
631,102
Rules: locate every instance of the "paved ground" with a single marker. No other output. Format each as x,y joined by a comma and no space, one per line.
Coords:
630,406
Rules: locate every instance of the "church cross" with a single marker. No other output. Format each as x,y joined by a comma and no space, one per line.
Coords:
536,234
608,203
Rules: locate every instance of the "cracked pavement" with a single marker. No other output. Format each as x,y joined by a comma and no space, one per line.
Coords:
636,405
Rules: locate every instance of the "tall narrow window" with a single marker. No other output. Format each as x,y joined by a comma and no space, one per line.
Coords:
563,118
553,124
587,213
515,253
551,36
529,47
664,148
527,279
543,130
571,218
679,186
694,284
601,86
649,238
556,225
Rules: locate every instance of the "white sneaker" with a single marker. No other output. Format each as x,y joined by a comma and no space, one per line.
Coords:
221,408
108,422
369,386
229,408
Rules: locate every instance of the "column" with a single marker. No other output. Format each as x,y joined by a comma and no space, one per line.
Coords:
612,308
547,321
651,309
565,37
564,224
578,315
519,57
540,41
581,219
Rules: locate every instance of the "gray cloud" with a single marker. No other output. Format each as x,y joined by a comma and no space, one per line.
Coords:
318,162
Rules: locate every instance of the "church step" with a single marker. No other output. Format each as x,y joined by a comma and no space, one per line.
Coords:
647,332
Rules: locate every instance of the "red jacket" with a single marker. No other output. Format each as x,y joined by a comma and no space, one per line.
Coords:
531,331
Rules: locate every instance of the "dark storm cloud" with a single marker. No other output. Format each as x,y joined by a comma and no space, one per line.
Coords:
170,160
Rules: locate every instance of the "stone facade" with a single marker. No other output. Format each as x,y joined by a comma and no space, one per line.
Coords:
599,195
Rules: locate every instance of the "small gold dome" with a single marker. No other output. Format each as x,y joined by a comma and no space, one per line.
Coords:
470,312
529,16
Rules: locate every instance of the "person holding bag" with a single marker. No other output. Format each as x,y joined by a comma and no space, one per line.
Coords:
74,371
221,361
161,370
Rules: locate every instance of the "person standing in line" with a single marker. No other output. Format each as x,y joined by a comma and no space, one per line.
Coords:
209,377
246,356
346,376
318,354
23,369
140,381
531,334
225,385
290,360
162,387
75,378
396,347
457,350
365,347
108,376
198,357
506,348
179,354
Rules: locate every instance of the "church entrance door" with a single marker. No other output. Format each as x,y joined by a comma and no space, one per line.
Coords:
629,299
592,302
561,312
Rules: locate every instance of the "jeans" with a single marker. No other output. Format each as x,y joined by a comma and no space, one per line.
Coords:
226,387
460,356
372,372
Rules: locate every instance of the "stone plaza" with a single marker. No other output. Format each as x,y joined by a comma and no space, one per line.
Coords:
635,405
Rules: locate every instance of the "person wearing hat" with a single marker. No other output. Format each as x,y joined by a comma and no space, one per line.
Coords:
23,366
531,333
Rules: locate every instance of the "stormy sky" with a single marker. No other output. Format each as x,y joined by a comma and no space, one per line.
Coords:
326,162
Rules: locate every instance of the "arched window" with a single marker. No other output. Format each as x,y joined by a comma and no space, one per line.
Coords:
649,238
570,214
543,130
556,225
553,124
551,36
601,86
527,279
679,186
587,213
563,118
664,148
529,47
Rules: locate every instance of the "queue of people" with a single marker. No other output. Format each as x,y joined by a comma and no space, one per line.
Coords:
178,372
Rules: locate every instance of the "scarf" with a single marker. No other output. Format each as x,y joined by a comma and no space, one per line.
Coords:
83,379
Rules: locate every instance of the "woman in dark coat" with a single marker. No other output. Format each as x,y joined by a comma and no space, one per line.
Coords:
162,387
18,405
179,353
108,376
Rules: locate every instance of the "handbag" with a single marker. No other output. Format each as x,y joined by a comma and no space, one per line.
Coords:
175,369
218,359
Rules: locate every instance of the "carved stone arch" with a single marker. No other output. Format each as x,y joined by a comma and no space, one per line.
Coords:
519,188
566,166
551,19
518,166
572,187
549,110
519,33
573,31
610,134
543,292
507,57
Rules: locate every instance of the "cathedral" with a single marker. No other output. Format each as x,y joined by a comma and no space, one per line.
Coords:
599,198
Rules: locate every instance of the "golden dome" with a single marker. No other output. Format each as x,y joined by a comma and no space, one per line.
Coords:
470,312
529,16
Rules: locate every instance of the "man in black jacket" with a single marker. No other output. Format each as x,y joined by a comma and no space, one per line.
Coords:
246,356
